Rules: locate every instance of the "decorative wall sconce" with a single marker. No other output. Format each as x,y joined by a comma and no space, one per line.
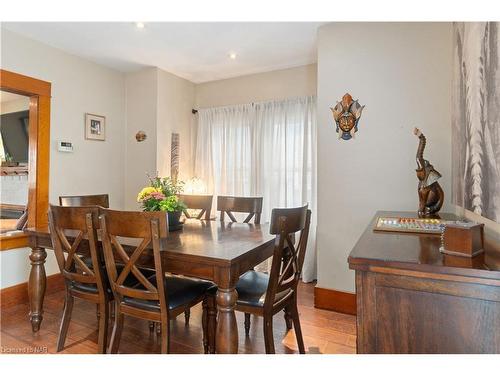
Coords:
346,114
140,136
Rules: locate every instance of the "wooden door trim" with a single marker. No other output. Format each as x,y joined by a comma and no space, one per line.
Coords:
39,93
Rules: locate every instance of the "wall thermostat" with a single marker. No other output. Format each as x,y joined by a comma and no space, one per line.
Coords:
64,146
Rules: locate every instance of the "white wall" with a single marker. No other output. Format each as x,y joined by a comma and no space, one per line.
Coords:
402,73
278,84
17,105
78,86
14,189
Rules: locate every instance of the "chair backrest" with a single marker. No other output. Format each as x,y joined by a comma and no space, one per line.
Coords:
250,205
146,228
288,256
23,220
74,230
101,200
197,202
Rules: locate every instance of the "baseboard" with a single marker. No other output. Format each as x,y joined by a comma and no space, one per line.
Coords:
18,294
335,300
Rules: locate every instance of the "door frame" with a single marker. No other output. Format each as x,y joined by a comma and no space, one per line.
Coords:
39,93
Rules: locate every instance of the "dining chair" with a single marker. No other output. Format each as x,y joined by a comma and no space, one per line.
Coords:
82,279
251,205
160,297
266,294
101,200
197,202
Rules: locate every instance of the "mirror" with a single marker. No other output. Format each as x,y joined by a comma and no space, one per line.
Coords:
14,144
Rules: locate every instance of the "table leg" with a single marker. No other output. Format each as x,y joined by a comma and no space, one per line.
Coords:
227,329
36,286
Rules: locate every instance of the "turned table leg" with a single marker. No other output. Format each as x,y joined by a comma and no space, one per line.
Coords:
36,286
227,329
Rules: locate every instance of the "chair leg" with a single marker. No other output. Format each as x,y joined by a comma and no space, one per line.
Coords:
187,314
63,330
268,335
117,331
103,327
204,324
296,326
165,337
212,323
247,324
288,318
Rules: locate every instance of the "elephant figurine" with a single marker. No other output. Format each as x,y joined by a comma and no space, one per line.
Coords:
430,193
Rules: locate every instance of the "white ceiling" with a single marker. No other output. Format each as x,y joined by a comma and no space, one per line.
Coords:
195,51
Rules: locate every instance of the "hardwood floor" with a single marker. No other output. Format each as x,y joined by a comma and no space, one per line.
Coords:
323,331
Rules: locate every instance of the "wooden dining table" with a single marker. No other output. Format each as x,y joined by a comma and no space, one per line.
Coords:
211,250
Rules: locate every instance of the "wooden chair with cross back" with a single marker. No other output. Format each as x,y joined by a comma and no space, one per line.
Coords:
128,236
101,200
73,231
267,294
250,205
197,202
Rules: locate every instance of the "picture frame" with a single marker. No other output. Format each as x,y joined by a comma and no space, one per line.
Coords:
95,127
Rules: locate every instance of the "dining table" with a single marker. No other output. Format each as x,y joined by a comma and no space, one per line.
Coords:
211,250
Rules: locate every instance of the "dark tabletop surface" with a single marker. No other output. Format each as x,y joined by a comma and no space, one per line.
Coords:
420,251
208,239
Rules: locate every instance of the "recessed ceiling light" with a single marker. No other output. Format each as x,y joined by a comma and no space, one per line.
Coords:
139,25
232,56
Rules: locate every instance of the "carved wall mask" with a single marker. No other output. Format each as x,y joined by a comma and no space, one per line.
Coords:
346,114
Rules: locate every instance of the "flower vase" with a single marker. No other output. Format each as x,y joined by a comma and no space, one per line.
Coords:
174,221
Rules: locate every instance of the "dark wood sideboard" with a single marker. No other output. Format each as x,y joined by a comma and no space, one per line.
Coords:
413,299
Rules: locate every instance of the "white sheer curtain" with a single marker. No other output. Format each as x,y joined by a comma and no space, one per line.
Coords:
264,149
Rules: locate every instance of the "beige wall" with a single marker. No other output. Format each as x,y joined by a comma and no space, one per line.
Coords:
141,97
279,84
78,86
175,101
402,73
158,103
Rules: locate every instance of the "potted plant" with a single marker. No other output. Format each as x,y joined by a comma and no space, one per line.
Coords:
161,195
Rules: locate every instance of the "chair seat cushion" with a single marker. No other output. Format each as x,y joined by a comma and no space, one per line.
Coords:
252,289
86,288
181,291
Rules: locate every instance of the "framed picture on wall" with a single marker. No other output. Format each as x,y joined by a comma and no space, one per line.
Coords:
95,127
